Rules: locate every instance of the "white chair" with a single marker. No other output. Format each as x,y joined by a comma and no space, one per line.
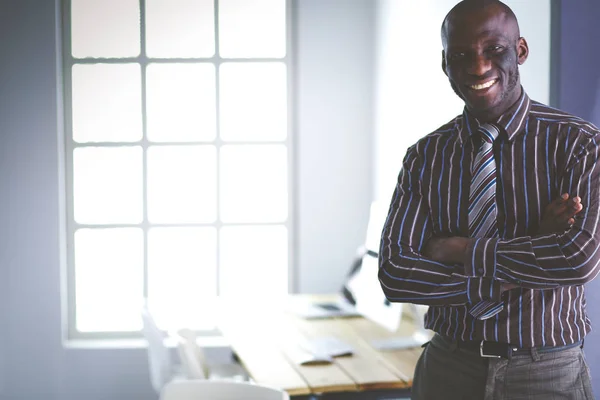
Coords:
162,369
195,364
191,355
220,390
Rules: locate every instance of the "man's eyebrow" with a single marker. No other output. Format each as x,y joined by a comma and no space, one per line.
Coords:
497,40
491,33
485,37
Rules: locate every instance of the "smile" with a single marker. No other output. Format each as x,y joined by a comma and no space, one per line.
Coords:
483,86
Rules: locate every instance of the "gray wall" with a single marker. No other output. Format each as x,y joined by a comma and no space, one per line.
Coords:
579,93
29,188
34,363
334,169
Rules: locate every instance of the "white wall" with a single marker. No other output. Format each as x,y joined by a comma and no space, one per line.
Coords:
335,70
410,84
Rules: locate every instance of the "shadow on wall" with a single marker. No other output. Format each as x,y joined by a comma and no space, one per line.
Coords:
592,290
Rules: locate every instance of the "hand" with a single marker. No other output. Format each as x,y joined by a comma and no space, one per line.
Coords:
559,215
450,250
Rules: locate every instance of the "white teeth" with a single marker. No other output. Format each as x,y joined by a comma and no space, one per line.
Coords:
483,85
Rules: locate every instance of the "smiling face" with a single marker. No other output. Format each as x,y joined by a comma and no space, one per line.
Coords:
482,52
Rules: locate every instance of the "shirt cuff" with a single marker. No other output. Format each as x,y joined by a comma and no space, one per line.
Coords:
486,289
480,260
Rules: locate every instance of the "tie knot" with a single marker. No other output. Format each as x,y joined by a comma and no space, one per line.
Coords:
489,132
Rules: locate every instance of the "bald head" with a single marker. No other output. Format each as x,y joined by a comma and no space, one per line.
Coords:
467,7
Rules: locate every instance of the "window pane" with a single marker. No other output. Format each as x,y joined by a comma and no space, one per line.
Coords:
107,185
109,278
181,102
180,28
107,28
252,28
253,101
254,262
182,277
253,183
182,185
107,103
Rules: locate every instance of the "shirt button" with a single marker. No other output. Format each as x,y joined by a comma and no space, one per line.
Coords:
480,270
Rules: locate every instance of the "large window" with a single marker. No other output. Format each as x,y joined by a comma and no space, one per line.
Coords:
178,159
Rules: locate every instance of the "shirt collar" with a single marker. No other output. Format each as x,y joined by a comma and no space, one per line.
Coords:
512,121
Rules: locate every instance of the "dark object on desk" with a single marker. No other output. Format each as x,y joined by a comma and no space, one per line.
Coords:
329,306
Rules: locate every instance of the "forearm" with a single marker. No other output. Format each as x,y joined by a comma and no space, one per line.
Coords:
408,275
509,261
540,262
418,284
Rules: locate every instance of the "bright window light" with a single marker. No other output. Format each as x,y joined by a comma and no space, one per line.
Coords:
177,159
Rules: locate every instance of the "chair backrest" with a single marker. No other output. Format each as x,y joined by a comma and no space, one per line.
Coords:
220,390
191,355
159,359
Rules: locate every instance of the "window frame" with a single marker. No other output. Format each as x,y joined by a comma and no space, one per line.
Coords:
68,61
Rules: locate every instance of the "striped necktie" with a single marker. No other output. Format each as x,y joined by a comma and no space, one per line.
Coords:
482,205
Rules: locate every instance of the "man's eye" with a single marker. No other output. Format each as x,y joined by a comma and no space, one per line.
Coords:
496,49
456,56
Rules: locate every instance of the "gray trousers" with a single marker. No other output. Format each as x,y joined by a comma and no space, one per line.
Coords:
446,373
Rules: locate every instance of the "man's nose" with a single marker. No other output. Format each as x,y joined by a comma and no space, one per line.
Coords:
479,65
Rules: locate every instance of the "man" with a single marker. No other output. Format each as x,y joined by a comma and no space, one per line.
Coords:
473,230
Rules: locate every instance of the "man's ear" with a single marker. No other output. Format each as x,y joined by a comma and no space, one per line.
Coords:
522,50
444,62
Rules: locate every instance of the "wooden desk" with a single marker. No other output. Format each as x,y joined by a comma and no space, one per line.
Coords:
265,339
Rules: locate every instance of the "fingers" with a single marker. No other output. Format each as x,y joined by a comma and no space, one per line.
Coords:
574,205
560,214
564,208
569,209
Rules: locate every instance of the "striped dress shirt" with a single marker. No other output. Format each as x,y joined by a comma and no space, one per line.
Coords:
540,153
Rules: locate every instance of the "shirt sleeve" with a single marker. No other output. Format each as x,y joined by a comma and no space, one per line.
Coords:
407,276
551,260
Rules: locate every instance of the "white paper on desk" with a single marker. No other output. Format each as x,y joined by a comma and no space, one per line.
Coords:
300,356
327,346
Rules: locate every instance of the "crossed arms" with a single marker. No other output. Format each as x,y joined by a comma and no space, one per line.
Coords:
417,267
